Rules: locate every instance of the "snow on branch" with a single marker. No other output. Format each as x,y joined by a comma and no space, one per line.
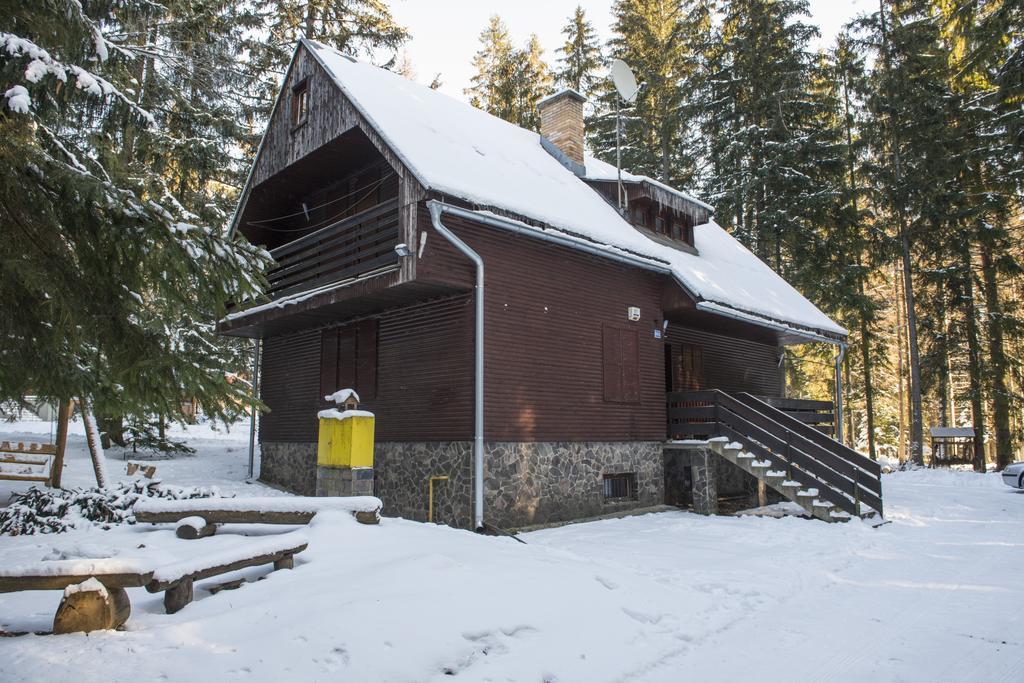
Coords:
43,64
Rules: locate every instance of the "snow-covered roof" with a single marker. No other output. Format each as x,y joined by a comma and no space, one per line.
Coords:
458,150
602,170
946,432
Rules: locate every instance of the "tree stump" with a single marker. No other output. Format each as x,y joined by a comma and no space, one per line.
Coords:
368,517
177,596
90,606
192,528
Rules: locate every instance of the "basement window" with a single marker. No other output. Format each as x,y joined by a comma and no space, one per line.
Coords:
300,103
619,487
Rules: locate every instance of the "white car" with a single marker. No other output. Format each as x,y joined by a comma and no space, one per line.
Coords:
1013,475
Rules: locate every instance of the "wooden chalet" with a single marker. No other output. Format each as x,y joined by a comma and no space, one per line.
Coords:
430,255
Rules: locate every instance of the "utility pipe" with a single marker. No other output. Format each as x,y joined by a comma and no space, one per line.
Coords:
436,208
840,354
252,406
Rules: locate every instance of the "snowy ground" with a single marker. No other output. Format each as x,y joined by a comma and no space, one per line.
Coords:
936,595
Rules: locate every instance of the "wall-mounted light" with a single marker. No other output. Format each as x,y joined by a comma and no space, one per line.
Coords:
403,250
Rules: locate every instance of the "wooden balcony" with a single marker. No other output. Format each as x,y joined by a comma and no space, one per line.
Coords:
351,247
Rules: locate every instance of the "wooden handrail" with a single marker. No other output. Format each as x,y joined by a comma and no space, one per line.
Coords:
340,226
843,476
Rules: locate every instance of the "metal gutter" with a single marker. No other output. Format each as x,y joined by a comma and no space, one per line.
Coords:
436,209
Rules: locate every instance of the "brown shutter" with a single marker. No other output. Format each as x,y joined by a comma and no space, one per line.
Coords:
328,362
630,344
346,377
366,360
612,355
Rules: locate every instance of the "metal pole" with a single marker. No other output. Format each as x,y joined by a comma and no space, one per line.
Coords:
839,392
252,408
618,150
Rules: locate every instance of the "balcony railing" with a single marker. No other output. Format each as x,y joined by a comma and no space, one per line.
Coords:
359,244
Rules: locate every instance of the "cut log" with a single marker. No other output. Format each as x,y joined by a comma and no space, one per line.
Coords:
178,595
89,606
194,527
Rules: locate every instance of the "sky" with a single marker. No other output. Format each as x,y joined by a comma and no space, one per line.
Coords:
445,33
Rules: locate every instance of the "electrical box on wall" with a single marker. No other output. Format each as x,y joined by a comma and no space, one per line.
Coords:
633,313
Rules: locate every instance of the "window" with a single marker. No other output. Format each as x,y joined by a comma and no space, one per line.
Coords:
348,359
659,225
620,486
621,356
300,103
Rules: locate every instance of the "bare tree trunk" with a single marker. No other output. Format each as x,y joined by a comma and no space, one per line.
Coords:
92,438
900,371
974,362
916,425
997,357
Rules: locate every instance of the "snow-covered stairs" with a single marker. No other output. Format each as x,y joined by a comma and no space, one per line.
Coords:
777,480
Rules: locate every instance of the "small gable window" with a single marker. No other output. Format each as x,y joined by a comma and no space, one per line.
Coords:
300,103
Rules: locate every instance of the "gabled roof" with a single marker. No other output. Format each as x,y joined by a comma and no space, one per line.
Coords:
460,151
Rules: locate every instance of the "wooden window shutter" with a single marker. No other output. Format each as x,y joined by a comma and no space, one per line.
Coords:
366,359
328,362
630,345
612,356
346,377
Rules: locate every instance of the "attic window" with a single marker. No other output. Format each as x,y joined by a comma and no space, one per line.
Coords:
300,103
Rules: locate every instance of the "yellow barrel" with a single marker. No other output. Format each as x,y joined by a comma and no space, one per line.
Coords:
346,439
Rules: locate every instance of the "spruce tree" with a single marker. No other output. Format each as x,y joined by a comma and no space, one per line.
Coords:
118,269
663,42
580,54
509,81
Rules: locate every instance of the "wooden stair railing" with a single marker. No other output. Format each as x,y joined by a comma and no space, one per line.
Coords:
843,477
865,472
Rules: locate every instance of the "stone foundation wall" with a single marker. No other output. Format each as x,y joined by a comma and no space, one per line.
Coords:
525,483
289,465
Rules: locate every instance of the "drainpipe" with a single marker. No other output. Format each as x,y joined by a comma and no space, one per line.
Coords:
840,354
436,208
252,409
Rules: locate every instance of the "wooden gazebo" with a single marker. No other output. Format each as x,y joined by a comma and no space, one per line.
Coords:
952,446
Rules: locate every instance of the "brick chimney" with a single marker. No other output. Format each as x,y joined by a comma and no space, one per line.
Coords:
561,122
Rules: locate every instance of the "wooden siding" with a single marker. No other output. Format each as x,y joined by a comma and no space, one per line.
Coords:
424,377
546,307
732,364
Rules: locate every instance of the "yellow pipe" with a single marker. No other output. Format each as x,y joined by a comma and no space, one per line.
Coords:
430,508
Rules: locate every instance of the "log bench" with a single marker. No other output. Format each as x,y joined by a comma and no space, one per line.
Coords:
296,510
177,580
91,607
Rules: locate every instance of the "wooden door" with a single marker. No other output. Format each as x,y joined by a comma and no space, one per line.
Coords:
687,367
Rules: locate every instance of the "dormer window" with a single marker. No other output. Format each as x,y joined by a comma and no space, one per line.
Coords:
300,103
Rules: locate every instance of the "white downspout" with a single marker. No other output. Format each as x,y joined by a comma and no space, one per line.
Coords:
840,354
436,208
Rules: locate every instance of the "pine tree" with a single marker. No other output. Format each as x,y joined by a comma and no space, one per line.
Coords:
118,279
356,27
663,42
509,81
764,142
580,54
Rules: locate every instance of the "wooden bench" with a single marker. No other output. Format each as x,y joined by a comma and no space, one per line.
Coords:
19,462
263,510
82,610
177,580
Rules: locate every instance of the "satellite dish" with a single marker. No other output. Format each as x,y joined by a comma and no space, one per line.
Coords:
624,80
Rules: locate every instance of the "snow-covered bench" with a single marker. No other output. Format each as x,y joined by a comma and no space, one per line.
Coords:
27,462
265,510
94,589
176,580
